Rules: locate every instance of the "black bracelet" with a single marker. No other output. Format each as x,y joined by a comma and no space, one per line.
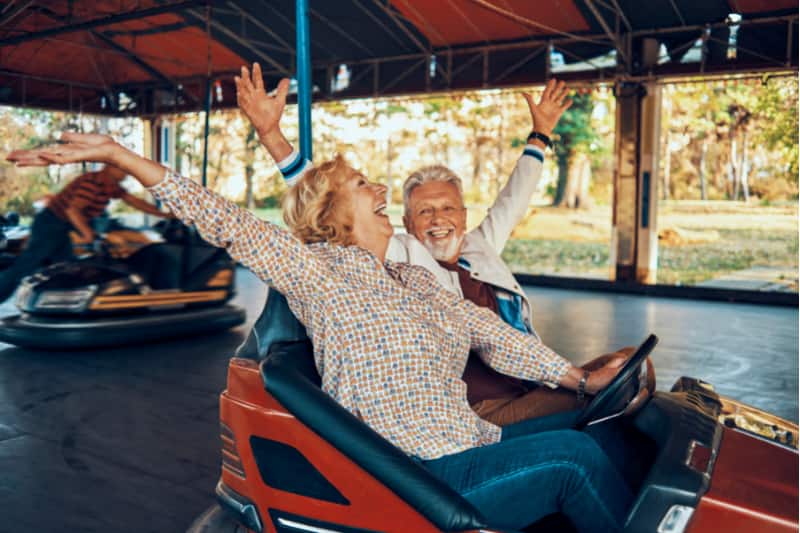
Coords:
542,137
582,386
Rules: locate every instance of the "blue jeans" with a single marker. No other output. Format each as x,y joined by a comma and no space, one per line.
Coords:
527,476
48,243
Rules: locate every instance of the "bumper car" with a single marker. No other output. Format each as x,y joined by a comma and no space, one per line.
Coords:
293,460
167,289
12,238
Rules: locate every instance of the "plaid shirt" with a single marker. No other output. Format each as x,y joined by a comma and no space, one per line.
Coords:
390,343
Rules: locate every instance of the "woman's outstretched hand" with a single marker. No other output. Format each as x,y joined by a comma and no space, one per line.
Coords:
73,148
263,111
91,148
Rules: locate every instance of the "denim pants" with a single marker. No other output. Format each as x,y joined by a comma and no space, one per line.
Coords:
535,471
48,243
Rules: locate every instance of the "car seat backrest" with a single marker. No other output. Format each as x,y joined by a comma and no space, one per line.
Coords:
280,341
275,324
291,377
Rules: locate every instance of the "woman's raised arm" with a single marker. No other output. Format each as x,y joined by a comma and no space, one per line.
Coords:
270,252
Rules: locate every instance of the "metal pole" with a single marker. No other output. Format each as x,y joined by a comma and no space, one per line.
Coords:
304,82
209,89
205,130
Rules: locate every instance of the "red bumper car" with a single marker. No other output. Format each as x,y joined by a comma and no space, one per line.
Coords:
293,460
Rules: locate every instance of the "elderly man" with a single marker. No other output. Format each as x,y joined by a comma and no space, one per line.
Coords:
466,263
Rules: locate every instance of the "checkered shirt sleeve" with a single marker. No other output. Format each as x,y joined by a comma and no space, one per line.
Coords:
272,253
507,350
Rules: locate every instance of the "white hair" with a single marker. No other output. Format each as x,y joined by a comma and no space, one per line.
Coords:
429,174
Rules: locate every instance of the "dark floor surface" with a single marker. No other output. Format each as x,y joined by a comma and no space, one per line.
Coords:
126,440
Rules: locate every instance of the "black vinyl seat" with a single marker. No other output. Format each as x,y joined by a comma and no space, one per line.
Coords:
280,342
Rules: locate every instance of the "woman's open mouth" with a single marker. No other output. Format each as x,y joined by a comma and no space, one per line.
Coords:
381,210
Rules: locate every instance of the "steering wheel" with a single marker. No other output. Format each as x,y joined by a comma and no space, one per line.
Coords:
626,392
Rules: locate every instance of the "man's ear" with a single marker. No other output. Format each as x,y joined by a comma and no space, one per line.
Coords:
407,223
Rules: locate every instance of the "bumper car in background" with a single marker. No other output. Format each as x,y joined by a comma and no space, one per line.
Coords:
12,238
111,297
294,460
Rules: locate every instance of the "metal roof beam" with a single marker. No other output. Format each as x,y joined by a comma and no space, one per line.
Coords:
240,41
102,21
380,23
288,48
408,33
611,35
427,24
339,31
121,50
703,27
622,16
678,12
141,63
54,81
11,11
519,19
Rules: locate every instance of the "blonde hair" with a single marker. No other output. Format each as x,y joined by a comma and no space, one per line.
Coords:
310,206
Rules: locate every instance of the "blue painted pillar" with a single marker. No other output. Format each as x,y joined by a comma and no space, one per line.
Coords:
304,82
206,130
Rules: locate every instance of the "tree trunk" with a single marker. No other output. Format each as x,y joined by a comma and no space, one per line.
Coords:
249,167
477,164
389,170
579,176
702,169
665,193
733,179
744,168
562,161
667,166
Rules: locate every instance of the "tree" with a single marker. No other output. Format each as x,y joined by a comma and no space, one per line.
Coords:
575,138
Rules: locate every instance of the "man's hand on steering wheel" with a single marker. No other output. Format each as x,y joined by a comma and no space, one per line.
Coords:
600,378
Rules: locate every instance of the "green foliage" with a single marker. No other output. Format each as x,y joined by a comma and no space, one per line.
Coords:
574,130
703,122
777,107
269,202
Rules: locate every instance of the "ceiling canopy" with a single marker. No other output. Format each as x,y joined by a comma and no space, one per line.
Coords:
149,56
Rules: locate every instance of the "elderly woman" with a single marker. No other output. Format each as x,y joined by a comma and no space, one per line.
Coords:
390,343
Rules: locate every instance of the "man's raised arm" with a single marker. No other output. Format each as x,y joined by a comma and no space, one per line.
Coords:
512,201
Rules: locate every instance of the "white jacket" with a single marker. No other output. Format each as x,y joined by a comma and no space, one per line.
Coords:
480,252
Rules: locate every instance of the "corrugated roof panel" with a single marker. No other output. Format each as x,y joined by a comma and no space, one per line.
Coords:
760,6
456,22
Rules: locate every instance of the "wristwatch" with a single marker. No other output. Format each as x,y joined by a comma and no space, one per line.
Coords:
542,137
582,386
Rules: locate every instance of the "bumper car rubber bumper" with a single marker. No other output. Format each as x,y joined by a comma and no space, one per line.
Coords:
65,333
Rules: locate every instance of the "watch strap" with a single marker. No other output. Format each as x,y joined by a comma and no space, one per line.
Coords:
535,135
581,392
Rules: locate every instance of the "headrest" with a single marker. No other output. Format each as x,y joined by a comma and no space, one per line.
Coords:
276,324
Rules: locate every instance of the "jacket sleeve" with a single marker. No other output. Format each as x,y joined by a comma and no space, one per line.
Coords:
293,167
512,201
270,252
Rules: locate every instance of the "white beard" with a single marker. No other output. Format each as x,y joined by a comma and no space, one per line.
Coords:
444,250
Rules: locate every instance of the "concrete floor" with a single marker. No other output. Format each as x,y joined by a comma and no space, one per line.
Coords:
126,440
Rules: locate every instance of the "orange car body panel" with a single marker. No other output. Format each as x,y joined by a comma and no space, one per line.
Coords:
248,409
754,488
